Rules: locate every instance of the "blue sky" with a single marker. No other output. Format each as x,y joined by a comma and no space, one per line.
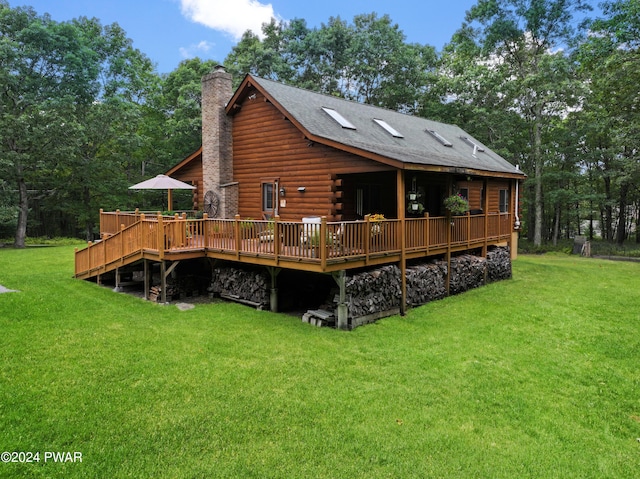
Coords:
168,31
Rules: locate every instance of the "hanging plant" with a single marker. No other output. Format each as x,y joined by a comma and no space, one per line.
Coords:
414,202
456,204
414,207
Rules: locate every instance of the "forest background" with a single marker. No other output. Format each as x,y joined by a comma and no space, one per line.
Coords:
84,114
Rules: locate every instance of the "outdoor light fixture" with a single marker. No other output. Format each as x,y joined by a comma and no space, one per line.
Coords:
283,191
301,189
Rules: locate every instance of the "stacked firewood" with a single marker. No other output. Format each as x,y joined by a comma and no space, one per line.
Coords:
377,291
155,292
373,291
498,264
426,282
467,272
249,286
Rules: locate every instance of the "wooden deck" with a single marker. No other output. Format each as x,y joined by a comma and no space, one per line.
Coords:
319,247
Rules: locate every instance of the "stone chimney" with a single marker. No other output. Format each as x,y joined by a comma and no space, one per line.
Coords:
217,146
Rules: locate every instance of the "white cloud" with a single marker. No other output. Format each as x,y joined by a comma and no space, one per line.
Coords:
231,17
195,50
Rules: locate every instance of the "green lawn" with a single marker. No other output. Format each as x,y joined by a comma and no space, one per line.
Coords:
535,377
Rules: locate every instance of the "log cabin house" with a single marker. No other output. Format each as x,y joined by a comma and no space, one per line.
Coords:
292,179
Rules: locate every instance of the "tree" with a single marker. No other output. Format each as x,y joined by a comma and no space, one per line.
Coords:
610,60
366,61
46,72
265,58
71,105
180,101
516,45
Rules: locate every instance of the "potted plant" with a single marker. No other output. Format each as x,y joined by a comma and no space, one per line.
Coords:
415,205
376,223
456,204
415,208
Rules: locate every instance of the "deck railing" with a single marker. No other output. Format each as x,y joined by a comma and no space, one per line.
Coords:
317,242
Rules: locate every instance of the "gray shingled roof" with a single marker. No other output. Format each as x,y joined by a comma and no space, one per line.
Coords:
416,147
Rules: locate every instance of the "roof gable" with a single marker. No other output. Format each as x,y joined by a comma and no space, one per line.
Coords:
407,143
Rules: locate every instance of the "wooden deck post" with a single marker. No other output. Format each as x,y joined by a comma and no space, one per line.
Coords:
205,230
367,238
163,281
403,241
427,230
118,288
104,256
276,238
342,321
160,237
236,229
121,243
447,282
485,210
273,298
147,278
88,253
323,242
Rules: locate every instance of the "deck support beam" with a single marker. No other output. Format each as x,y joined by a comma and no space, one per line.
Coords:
447,281
163,281
147,278
400,187
118,288
342,321
164,274
273,298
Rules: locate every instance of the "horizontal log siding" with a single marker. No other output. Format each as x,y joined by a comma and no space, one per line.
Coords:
475,193
494,188
192,173
266,146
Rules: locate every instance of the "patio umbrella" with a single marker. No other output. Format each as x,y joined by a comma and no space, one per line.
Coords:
162,182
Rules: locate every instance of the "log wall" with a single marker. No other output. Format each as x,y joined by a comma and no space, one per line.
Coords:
268,147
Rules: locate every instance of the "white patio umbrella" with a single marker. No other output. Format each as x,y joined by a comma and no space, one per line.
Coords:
162,182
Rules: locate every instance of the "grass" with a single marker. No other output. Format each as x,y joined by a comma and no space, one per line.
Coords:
532,377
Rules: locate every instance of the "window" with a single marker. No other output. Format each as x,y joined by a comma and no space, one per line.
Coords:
439,137
464,192
391,130
470,142
504,201
344,123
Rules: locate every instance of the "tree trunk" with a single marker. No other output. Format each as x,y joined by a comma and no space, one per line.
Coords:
23,210
622,216
638,222
556,225
538,168
89,222
607,226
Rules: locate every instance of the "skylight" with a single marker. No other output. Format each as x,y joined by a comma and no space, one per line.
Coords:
392,131
439,137
344,123
470,142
